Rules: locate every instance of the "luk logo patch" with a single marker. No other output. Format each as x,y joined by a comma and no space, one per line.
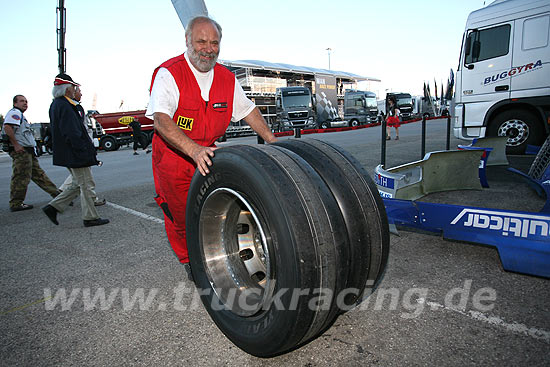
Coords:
185,123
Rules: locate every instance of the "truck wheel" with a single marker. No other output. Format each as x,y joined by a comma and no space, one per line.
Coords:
521,127
109,144
325,125
361,206
541,162
354,122
266,246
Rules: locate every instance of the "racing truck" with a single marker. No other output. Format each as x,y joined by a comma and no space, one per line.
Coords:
360,107
294,106
115,130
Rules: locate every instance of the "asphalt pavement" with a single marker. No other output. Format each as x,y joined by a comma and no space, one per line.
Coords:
116,294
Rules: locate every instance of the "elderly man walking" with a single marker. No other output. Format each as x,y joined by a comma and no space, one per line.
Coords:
72,148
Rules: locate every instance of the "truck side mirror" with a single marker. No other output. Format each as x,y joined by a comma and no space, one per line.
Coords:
468,45
475,50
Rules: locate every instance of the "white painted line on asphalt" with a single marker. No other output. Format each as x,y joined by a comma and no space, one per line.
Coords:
514,327
136,213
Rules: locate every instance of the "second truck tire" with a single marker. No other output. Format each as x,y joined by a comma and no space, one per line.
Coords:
361,206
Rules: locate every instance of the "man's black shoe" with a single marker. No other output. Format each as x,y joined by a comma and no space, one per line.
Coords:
21,207
95,222
51,212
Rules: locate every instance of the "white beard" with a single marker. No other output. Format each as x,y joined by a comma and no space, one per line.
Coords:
201,65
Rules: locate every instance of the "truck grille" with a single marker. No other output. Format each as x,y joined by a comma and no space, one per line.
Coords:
297,115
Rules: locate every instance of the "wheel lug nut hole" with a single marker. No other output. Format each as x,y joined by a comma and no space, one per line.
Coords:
258,277
242,228
246,254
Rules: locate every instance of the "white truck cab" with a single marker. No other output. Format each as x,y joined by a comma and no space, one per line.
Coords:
503,77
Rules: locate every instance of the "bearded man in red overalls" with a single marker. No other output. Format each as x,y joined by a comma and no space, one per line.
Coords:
193,99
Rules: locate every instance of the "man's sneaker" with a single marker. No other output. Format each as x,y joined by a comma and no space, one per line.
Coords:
148,151
187,268
21,207
95,222
51,212
136,153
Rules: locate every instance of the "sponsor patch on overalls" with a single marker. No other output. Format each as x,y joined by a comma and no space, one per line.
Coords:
219,105
185,123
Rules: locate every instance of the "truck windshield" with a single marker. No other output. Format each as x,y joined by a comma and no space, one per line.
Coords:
296,99
371,102
404,101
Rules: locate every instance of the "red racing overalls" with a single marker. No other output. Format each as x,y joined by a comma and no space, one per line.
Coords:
201,121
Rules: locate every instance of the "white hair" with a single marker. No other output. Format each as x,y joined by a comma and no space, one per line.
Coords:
201,18
60,90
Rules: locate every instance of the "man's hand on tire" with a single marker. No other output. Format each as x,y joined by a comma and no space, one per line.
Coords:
201,155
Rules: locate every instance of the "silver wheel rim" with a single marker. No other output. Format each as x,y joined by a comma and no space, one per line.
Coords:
235,252
517,131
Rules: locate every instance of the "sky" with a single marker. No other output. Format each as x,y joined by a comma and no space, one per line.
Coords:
113,46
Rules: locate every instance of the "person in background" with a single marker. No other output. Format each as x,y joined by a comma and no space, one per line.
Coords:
193,99
392,119
82,115
22,150
139,137
72,148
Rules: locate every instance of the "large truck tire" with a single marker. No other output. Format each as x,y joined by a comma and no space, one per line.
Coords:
267,245
361,206
109,144
522,128
541,162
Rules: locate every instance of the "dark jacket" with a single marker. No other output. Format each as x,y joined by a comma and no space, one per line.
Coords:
72,146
